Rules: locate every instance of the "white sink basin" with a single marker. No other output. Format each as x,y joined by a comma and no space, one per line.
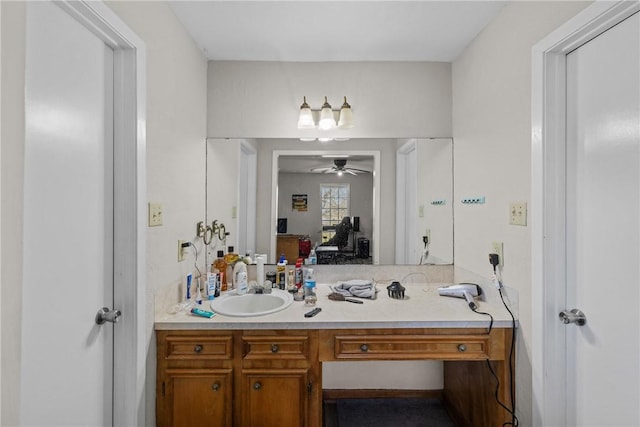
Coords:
247,305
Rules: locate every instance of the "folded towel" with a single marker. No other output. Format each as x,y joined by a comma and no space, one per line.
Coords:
357,288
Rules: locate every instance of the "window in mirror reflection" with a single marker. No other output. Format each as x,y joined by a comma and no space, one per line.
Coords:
335,207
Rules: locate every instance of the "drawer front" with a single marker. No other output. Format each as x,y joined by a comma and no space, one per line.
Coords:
199,348
276,347
391,347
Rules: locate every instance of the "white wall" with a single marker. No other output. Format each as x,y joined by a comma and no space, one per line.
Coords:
435,182
492,133
389,99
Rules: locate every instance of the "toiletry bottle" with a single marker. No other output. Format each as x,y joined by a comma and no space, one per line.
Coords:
281,272
212,280
298,273
239,269
291,282
221,265
313,258
260,269
231,258
310,297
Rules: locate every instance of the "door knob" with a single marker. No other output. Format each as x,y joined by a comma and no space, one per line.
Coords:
106,315
574,316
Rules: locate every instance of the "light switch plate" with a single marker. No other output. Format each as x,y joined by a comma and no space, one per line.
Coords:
518,213
155,214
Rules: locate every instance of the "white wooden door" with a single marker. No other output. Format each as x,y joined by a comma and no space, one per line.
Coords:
406,204
603,228
67,359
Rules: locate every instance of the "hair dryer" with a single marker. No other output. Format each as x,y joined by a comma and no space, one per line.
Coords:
463,290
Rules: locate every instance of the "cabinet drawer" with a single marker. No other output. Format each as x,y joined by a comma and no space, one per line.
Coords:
391,347
276,347
199,348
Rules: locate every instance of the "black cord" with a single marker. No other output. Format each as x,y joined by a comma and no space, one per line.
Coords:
514,419
486,314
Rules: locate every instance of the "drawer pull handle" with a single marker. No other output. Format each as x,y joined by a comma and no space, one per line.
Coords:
364,348
215,386
462,348
257,386
197,348
274,348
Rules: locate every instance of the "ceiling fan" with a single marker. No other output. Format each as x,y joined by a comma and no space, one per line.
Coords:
340,168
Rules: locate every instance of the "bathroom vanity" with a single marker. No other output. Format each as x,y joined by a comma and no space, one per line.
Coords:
266,371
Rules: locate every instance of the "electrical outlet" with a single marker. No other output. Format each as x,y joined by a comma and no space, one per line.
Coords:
518,213
155,214
427,234
234,212
421,211
497,248
182,252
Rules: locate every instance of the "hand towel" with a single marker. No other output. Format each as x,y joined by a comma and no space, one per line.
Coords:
357,288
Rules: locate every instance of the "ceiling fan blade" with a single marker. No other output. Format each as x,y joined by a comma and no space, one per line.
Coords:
358,170
350,171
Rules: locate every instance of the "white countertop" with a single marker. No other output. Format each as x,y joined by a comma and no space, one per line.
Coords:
421,308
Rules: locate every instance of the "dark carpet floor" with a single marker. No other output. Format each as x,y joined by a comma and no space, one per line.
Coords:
392,412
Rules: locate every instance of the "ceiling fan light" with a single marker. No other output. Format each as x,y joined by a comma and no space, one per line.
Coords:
325,139
327,121
346,116
305,119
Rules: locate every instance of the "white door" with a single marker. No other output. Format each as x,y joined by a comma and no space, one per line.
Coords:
406,204
67,359
247,188
603,233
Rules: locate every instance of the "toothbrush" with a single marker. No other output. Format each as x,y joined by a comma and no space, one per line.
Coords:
189,278
198,294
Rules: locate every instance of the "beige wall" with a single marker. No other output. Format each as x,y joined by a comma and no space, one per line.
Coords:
389,99
492,133
176,124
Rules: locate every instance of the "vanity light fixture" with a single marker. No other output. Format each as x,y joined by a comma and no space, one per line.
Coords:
327,120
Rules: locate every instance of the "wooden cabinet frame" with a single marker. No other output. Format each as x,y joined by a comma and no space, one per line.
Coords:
295,357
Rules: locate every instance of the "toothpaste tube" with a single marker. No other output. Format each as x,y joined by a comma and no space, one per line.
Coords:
202,313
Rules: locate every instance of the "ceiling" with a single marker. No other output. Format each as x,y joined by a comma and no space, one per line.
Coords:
305,163
320,31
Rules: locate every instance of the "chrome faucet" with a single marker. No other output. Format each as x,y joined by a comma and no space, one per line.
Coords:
254,288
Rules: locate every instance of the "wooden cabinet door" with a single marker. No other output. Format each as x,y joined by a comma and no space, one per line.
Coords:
197,397
275,398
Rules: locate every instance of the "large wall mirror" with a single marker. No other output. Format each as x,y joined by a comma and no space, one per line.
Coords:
281,195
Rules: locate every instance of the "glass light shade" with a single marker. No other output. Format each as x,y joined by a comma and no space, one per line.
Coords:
346,116
305,119
326,117
325,139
